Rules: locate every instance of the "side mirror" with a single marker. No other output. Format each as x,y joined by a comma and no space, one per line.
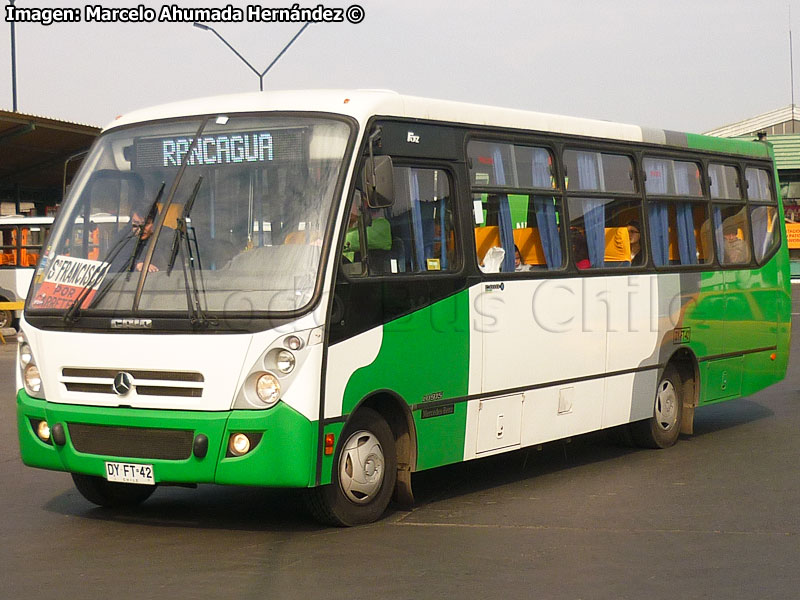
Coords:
378,181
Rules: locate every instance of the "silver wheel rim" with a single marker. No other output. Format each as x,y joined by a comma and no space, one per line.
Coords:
5,319
666,412
361,467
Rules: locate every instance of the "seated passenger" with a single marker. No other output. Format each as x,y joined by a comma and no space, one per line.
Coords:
519,264
379,234
634,233
735,250
580,250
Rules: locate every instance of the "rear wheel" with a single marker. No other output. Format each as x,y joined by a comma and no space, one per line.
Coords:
110,493
364,474
662,429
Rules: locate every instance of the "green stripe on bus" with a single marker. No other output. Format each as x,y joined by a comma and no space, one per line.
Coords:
727,145
424,355
283,457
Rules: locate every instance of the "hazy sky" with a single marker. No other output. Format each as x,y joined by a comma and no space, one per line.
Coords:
689,65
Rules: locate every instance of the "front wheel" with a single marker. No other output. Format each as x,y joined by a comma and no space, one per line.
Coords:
662,429
364,474
110,493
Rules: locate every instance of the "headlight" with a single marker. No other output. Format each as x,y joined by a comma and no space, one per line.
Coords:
293,343
32,378
268,389
273,372
285,362
25,354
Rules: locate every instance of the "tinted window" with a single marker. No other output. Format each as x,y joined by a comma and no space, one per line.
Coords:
600,172
724,182
732,234
494,164
416,234
667,177
527,229
759,185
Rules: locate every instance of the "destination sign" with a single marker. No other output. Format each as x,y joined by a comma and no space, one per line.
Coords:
65,280
223,149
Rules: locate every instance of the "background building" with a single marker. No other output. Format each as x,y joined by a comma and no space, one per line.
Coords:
38,156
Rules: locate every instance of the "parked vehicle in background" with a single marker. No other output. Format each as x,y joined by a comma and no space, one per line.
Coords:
21,242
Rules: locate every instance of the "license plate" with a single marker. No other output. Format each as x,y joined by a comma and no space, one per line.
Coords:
130,473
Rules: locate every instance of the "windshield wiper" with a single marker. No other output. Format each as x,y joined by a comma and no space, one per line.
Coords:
182,242
73,312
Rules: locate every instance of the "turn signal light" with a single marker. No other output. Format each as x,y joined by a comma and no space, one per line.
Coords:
330,442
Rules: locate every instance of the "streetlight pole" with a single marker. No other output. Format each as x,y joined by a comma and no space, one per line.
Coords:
13,64
285,48
242,58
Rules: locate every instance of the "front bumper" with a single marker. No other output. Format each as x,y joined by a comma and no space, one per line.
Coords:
285,455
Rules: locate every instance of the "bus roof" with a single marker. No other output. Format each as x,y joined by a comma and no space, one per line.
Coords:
364,104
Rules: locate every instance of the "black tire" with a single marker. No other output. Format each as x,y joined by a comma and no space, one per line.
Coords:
364,474
111,494
662,429
6,318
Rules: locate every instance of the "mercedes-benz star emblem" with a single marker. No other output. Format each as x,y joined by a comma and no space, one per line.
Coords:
123,383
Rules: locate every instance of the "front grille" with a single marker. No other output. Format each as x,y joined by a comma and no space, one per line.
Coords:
132,442
156,390
137,373
141,390
89,388
145,382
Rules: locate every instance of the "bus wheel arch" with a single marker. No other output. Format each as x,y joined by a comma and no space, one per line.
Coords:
398,416
687,365
674,402
381,428
363,474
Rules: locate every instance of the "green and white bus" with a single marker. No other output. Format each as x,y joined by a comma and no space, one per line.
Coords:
332,290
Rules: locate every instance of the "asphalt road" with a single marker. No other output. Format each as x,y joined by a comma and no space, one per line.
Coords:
717,516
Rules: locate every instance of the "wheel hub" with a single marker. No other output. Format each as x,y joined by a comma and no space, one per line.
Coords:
361,467
666,409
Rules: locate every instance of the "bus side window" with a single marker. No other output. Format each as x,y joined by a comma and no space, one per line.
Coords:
729,215
24,257
610,225
422,221
677,212
352,250
8,246
763,212
515,231
766,233
732,234
414,235
489,227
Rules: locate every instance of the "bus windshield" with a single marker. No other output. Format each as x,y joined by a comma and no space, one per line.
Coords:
219,215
